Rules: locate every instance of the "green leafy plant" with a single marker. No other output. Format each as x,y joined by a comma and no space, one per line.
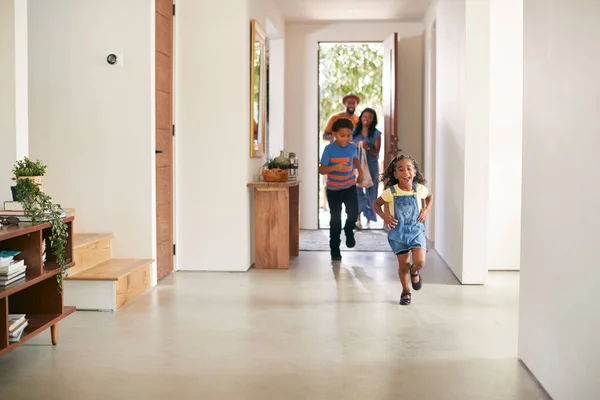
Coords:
27,167
272,163
40,208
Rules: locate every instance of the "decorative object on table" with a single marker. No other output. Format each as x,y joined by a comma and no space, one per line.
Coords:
28,169
293,167
38,206
276,169
282,158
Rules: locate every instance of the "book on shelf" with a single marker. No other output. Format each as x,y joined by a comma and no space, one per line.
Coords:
10,265
13,206
12,273
16,326
14,321
20,214
12,279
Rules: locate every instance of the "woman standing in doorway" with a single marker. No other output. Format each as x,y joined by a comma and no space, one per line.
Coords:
366,135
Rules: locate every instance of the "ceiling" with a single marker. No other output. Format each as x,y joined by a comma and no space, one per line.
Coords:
352,10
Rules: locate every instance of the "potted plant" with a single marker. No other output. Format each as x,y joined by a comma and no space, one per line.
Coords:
30,170
38,206
276,170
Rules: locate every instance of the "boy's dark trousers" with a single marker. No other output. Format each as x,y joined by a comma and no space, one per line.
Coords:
336,198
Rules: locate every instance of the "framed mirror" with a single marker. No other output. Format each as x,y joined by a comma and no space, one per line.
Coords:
258,90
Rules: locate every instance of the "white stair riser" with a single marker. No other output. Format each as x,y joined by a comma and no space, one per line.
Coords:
91,295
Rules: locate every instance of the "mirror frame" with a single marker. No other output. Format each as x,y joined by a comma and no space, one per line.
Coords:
258,34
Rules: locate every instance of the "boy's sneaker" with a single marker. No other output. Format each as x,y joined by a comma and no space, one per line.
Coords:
350,241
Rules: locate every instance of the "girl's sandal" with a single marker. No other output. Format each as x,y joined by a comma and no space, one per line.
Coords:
419,284
405,301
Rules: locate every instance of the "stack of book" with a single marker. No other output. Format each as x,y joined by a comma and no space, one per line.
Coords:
11,270
20,214
16,326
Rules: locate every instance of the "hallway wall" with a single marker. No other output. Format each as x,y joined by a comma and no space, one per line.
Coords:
506,134
14,121
302,130
462,135
559,320
212,119
214,207
93,123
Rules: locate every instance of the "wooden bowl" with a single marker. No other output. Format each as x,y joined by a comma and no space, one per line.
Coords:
275,175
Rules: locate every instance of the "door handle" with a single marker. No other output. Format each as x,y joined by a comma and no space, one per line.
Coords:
159,151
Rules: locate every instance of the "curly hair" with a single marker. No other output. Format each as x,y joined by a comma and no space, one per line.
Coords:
341,123
388,177
372,128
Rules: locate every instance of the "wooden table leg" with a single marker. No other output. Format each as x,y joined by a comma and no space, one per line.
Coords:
54,334
294,225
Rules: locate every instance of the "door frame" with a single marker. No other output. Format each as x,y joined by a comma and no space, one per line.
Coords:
390,99
165,256
319,128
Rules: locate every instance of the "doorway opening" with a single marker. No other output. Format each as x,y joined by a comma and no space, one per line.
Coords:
344,68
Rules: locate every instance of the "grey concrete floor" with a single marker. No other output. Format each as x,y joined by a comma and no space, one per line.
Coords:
316,331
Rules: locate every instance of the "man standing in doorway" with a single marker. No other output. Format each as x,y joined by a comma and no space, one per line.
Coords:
350,101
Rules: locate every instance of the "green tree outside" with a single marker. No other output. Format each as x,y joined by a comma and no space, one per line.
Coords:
350,67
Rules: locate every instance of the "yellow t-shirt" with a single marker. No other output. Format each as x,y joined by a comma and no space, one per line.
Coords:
335,117
388,196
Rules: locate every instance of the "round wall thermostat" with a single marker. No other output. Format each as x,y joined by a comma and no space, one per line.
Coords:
111,59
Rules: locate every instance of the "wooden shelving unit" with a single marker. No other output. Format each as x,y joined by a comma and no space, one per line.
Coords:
37,294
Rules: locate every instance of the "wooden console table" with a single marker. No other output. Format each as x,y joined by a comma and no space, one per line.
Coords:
276,223
36,295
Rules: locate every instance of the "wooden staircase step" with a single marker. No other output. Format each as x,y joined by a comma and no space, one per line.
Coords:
110,285
90,249
84,239
111,270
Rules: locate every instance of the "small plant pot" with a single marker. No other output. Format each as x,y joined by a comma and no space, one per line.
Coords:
13,190
275,175
38,180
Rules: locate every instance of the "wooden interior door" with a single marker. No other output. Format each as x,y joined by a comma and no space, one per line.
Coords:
390,97
164,137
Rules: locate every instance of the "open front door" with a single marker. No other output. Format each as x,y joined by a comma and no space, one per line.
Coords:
390,97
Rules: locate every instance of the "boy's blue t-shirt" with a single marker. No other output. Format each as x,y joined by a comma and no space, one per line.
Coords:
336,154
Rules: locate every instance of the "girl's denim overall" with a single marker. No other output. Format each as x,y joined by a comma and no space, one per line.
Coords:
409,233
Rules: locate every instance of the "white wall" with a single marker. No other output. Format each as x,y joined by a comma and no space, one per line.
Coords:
506,134
559,323
14,122
93,123
429,111
462,135
214,206
301,93
477,125
276,88
212,118
276,96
